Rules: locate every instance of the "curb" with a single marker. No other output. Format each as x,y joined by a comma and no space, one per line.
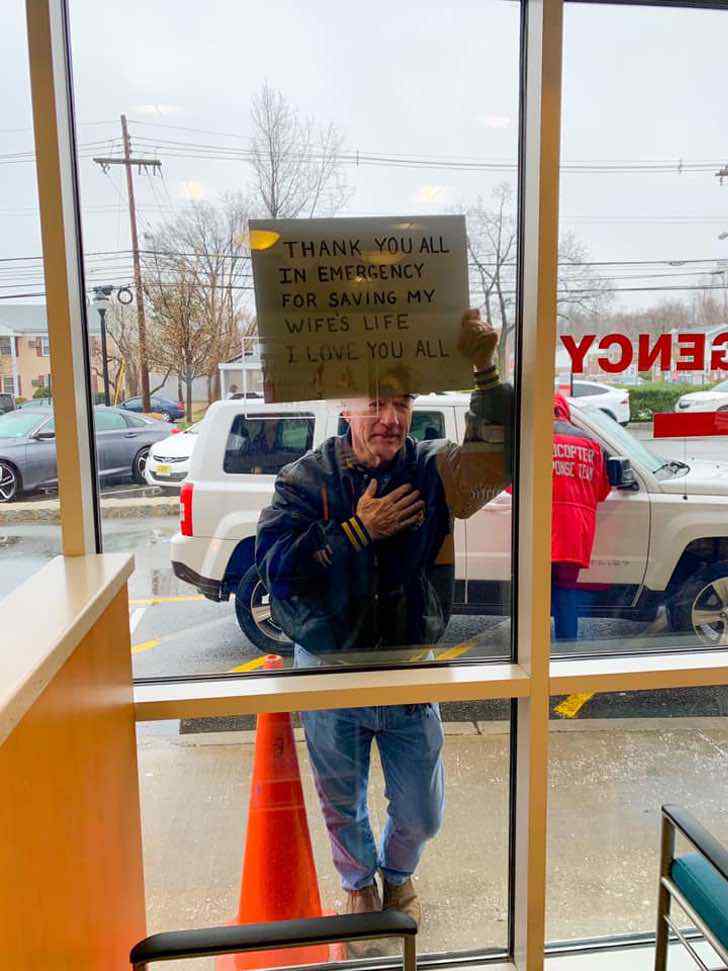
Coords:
49,511
481,730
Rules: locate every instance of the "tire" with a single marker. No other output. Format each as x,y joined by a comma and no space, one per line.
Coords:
10,484
253,613
138,466
700,606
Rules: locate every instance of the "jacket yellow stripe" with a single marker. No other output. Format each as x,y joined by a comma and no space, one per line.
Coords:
359,532
350,536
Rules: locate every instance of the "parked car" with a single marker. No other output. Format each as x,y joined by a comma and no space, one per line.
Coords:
714,400
7,403
168,463
612,401
35,403
28,448
662,535
174,410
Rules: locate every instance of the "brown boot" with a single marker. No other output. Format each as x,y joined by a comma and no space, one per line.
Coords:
364,901
402,897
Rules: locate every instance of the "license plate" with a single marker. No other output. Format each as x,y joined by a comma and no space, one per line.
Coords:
163,470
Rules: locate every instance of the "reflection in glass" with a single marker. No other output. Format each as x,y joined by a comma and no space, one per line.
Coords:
198,604
642,334
345,519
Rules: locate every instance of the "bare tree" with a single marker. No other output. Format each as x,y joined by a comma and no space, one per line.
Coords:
205,250
122,351
296,163
492,252
180,337
122,354
492,242
657,318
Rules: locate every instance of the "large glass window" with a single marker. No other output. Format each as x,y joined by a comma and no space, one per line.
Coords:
30,534
236,806
640,535
175,334
615,759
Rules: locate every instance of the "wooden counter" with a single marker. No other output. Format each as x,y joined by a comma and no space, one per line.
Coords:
71,890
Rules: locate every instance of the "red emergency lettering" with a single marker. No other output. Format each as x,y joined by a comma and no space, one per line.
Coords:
625,358
718,359
646,355
691,353
577,351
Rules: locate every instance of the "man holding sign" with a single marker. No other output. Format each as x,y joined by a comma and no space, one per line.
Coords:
357,553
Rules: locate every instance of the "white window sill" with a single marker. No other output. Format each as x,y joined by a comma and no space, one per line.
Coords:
309,692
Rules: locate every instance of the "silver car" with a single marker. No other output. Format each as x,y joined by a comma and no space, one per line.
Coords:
28,448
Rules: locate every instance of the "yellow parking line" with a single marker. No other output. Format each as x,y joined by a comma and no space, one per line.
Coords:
257,662
144,646
164,600
449,654
457,651
571,706
419,656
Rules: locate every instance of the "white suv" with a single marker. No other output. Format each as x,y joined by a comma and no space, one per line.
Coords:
662,534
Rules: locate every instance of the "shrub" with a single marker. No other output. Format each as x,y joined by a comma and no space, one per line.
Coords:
42,392
647,399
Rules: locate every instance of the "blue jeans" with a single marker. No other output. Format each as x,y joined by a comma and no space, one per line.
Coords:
409,739
565,609
567,603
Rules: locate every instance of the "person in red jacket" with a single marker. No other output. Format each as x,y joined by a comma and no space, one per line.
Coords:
580,483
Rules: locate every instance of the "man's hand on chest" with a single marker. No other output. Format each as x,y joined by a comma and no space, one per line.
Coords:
385,517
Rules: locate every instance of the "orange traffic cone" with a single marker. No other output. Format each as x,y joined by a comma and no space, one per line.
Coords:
279,879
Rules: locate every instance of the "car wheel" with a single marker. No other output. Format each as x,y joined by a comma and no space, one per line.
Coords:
252,608
700,606
139,465
10,486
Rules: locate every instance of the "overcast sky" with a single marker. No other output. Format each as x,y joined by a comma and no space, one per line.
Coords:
403,78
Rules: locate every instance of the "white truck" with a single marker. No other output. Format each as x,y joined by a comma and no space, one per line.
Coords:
662,534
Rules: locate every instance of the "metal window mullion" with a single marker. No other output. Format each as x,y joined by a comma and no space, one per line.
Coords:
51,91
538,261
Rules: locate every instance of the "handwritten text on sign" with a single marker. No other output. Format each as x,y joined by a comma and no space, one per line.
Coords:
350,307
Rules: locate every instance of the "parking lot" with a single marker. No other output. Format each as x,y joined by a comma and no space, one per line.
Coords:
176,631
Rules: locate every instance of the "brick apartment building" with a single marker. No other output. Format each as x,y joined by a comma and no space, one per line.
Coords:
25,363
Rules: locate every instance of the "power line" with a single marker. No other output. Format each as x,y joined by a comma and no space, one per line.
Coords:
97,254
173,148
475,291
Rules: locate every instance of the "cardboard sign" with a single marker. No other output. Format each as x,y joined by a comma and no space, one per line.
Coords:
360,307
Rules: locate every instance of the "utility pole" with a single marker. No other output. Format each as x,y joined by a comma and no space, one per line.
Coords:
142,163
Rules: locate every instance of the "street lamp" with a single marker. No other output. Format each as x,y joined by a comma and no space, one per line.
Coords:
102,302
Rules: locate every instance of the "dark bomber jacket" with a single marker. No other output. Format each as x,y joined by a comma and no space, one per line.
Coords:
394,592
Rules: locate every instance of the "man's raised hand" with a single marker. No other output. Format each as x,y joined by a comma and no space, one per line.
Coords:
387,516
477,340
